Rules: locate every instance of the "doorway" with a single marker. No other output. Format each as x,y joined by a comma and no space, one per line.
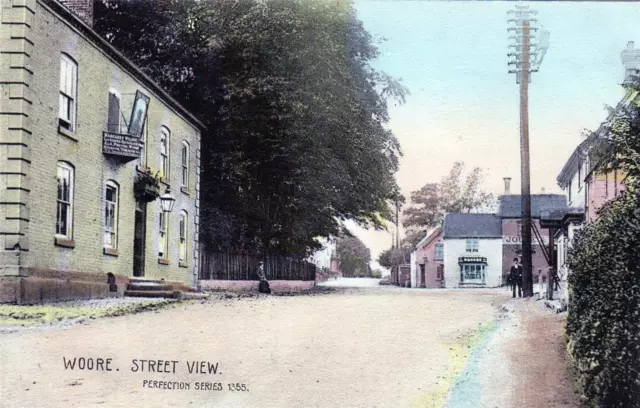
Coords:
139,233
423,281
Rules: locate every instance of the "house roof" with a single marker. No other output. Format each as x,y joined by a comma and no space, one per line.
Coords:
95,38
580,153
575,160
429,237
510,205
468,225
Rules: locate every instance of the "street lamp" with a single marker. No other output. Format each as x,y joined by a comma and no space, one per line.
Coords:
167,201
526,58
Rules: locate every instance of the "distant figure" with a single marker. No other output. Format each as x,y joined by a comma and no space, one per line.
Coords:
515,277
263,286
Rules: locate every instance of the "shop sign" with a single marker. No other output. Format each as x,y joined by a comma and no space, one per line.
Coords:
122,145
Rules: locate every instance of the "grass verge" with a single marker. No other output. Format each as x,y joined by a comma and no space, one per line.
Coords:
12,315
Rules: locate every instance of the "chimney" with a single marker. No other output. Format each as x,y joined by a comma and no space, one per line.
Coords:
631,60
81,8
507,185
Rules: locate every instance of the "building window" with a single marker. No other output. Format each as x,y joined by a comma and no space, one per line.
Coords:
68,92
164,153
472,273
64,214
579,176
143,143
113,119
111,215
519,228
439,256
182,244
472,245
163,238
185,163
569,191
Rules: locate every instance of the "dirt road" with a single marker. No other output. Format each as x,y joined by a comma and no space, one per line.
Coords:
358,348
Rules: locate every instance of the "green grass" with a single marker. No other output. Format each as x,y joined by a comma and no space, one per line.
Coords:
46,314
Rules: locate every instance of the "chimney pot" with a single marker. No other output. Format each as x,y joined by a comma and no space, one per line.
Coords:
507,185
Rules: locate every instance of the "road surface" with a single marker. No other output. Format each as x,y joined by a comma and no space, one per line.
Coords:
352,348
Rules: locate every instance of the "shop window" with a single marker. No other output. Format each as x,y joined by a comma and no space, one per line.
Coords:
472,273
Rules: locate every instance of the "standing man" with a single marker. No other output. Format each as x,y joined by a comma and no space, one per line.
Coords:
515,277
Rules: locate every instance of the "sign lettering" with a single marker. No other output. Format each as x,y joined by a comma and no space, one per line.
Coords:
122,145
517,240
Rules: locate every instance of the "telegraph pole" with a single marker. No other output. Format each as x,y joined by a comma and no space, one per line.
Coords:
524,65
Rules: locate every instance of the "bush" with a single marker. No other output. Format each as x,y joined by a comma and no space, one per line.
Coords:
603,327
376,274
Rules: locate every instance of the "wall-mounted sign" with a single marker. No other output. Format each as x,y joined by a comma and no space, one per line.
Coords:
117,144
472,259
138,114
516,240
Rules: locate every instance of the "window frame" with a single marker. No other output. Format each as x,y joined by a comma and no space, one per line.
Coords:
70,98
163,235
118,96
111,184
65,166
580,176
472,245
185,153
478,268
183,236
438,250
165,134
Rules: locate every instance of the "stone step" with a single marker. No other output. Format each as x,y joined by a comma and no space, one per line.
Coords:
145,281
147,286
153,293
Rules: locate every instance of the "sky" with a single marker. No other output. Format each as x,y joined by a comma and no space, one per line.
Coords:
464,105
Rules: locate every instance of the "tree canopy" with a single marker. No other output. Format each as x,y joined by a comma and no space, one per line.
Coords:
455,193
296,137
603,326
354,256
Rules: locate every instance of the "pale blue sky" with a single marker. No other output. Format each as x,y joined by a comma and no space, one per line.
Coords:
465,106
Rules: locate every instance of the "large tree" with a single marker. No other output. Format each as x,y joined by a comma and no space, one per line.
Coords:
353,256
455,193
296,137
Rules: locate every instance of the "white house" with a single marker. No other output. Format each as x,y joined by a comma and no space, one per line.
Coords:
322,257
472,250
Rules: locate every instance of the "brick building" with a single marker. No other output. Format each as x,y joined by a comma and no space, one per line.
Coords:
82,129
428,261
510,213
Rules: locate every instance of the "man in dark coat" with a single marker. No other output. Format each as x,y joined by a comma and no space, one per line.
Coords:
515,277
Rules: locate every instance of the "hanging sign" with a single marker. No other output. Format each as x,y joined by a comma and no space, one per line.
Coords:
472,259
122,145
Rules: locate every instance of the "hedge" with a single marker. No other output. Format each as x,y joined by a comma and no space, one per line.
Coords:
603,326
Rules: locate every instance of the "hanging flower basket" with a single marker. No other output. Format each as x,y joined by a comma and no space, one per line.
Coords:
146,188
